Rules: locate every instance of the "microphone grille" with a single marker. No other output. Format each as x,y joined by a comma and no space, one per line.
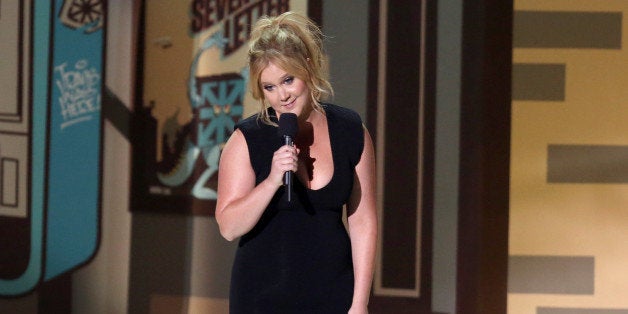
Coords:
288,125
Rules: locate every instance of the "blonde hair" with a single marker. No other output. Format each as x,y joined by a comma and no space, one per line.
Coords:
294,43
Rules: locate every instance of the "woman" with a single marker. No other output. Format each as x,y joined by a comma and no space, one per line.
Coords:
297,256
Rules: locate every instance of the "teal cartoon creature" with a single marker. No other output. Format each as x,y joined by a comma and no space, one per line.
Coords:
217,103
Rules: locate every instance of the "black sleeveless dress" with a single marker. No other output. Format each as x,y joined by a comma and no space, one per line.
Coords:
297,259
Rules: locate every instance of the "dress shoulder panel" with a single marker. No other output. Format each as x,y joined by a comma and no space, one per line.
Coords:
262,140
348,130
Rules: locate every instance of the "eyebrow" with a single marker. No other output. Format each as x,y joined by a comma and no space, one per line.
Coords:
281,79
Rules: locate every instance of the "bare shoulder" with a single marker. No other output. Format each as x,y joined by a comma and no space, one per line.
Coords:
234,160
368,150
234,148
235,174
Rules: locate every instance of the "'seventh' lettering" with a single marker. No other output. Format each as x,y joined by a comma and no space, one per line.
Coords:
237,17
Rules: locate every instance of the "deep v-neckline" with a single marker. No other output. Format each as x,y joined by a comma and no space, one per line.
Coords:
333,159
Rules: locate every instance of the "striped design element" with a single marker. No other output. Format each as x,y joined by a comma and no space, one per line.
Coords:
539,29
587,164
551,274
582,39
543,82
572,30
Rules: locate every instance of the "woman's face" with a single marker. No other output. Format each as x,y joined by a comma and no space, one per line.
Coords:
284,91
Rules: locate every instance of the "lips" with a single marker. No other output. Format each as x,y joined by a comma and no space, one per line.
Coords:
290,105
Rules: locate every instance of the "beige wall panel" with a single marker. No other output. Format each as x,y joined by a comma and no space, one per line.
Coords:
572,219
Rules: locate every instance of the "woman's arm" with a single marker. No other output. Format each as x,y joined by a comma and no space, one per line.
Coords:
240,202
362,221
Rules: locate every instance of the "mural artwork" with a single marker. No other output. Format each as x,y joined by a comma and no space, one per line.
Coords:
50,139
194,89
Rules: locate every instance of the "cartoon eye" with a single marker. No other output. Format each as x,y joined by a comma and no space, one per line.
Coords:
222,109
86,11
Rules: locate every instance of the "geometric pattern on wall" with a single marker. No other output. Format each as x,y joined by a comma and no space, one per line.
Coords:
569,158
551,274
587,164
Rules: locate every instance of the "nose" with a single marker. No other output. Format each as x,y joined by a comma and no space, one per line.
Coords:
283,93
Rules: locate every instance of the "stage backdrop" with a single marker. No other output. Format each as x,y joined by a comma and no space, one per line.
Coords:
51,78
192,83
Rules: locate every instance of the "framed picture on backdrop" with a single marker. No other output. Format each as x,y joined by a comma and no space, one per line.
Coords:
401,114
191,90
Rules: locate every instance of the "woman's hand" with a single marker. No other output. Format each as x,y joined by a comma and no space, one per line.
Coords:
284,159
240,202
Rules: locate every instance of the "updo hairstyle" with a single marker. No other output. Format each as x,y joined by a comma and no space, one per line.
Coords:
292,42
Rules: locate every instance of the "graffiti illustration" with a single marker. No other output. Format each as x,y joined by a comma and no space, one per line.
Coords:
194,91
216,104
79,88
82,13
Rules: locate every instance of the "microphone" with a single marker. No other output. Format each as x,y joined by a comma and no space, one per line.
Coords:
288,128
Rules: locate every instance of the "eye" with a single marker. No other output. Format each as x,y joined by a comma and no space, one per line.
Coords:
288,80
268,87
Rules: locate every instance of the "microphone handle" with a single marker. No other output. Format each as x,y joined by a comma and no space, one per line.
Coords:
287,176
